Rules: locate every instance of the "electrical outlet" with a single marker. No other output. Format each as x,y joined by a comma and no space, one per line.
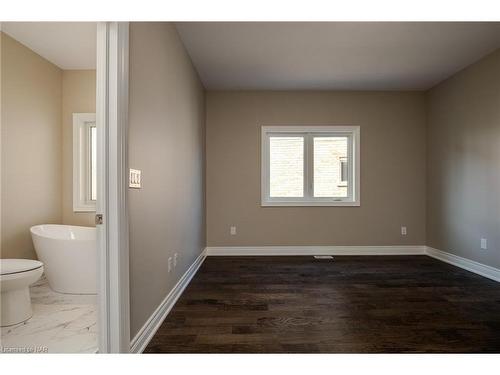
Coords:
175,260
484,244
403,231
169,264
233,230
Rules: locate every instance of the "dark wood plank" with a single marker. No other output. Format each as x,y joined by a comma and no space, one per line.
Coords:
379,304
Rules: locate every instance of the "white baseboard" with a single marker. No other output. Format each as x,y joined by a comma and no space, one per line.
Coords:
467,264
146,333
314,250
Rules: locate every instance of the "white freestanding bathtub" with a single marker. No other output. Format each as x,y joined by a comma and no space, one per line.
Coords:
69,255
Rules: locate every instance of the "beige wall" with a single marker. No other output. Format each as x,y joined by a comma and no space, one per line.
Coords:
78,96
1,116
392,169
31,146
463,180
166,142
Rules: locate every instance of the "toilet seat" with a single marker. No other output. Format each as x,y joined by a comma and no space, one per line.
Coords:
13,266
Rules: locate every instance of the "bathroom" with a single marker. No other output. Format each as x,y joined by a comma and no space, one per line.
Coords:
48,187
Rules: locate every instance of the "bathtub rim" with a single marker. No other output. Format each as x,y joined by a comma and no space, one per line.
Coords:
37,230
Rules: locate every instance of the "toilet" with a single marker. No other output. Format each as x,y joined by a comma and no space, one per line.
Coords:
16,275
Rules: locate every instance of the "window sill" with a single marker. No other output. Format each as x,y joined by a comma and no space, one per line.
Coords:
310,204
84,208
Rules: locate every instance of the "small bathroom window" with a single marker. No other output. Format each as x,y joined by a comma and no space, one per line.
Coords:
84,162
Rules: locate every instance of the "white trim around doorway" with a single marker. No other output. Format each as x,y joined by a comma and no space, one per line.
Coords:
112,234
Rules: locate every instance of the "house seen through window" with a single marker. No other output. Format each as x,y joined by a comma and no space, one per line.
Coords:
310,166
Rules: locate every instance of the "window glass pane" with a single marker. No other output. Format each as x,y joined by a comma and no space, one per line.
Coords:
286,166
330,167
93,163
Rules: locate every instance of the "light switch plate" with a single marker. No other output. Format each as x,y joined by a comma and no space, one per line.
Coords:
134,180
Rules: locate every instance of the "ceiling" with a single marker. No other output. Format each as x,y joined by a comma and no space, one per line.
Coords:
294,55
334,55
69,45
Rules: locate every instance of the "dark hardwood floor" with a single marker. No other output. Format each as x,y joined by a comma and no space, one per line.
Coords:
379,304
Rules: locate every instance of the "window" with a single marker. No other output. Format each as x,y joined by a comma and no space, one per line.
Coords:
310,166
84,162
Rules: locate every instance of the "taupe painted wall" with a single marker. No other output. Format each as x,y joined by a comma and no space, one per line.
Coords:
1,116
463,164
392,169
166,142
31,146
78,96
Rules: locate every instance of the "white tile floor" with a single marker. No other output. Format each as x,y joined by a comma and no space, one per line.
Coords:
61,323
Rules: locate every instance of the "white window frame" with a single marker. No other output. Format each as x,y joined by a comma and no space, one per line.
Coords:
308,132
81,162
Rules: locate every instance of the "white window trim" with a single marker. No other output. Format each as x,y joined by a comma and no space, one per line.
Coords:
81,164
355,173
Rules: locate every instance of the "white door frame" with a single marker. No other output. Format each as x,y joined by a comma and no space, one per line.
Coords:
112,234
